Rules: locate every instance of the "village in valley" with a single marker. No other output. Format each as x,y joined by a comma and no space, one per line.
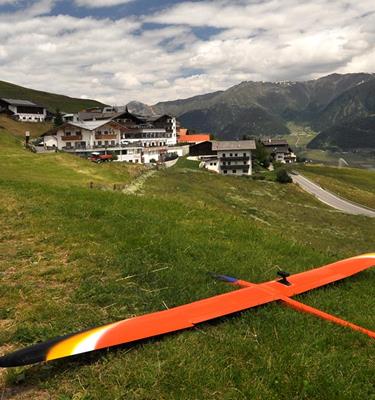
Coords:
108,133
187,200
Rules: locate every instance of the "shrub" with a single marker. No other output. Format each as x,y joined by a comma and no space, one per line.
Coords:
282,176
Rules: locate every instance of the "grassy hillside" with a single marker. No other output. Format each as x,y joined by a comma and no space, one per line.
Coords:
49,100
18,129
353,184
72,258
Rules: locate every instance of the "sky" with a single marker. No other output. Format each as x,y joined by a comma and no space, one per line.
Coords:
117,51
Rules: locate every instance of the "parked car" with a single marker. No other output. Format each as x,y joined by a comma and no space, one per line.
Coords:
99,158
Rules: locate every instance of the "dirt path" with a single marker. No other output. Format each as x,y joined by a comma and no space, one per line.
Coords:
137,185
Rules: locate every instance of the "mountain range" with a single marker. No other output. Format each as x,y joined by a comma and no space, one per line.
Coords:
265,108
340,107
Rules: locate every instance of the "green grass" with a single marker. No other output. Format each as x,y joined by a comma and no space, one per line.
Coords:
356,160
18,129
50,100
299,136
72,258
353,184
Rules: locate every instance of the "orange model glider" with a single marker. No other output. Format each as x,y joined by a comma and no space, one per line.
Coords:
186,316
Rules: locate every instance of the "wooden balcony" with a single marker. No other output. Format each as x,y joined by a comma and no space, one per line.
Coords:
69,138
239,158
105,137
229,167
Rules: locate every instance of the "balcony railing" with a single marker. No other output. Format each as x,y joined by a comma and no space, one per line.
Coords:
239,158
105,137
104,147
229,167
71,137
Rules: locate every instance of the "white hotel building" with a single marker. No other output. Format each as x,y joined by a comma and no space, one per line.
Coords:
131,138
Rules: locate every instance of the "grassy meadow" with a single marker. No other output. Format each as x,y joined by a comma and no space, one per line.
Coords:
73,257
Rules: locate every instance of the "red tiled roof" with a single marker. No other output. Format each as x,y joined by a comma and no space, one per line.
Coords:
193,138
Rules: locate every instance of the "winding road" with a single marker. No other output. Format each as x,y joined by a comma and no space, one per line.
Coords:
329,198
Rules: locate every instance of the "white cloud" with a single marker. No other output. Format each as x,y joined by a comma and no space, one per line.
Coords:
100,3
118,61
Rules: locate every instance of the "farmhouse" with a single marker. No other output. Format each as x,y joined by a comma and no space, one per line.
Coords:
23,110
225,157
280,150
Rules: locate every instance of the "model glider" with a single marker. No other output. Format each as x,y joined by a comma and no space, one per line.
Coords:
187,316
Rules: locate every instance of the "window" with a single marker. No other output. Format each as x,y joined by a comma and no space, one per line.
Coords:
233,171
106,132
67,134
106,142
99,143
68,144
235,154
231,154
224,163
113,142
223,155
244,162
244,171
214,163
244,154
225,171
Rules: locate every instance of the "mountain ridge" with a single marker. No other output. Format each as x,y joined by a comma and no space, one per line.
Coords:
265,108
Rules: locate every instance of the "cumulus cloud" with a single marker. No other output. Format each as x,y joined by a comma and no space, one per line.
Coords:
163,55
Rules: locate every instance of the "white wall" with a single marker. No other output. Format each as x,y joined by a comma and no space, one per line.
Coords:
29,117
227,166
181,151
212,165
50,141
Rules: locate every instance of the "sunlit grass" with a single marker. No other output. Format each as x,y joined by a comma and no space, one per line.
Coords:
72,257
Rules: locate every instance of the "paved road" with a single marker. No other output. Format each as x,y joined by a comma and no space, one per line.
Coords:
329,198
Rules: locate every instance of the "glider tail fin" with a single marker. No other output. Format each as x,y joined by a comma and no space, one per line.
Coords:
321,314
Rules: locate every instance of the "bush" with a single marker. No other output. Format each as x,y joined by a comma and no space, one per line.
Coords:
170,156
282,176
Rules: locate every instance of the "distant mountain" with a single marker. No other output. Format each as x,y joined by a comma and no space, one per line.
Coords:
358,101
49,100
264,108
233,122
354,135
137,107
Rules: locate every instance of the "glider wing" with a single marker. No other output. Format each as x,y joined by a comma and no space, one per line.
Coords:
142,327
314,278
